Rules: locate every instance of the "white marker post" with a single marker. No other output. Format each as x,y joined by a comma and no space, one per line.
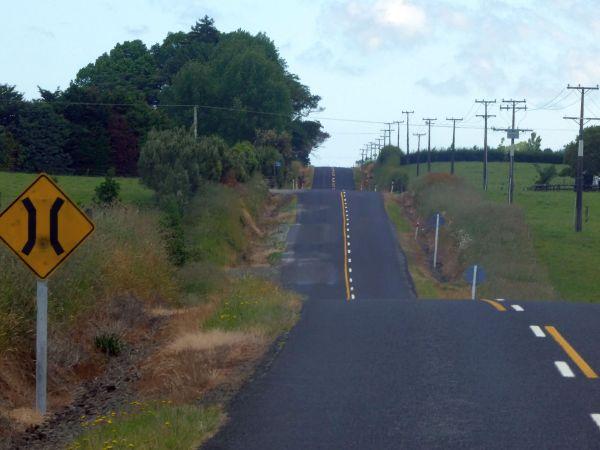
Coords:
392,188
41,361
437,234
474,285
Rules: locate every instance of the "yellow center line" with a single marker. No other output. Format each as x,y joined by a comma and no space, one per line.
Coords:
495,304
345,248
577,359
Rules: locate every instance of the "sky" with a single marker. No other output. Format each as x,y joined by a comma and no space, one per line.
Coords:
369,60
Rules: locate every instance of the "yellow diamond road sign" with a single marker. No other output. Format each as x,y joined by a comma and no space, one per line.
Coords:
43,226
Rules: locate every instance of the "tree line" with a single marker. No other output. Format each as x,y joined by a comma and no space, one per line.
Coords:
251,115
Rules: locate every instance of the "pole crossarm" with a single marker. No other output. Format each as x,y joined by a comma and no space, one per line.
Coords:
506,130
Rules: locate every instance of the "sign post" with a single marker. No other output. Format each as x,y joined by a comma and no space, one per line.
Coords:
41,347
474,275
438,220
474,283
43,227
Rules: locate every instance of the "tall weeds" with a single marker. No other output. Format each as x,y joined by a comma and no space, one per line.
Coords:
487,233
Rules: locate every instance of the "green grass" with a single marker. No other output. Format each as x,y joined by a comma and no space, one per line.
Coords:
214,221
570,258
254,304
426,286
150,426
79,188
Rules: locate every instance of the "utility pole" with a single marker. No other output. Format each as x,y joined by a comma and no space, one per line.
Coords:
195,122
428,122
579,177
512,133
408,113
384,136
398,122
418,135
389,124
485,116
454,120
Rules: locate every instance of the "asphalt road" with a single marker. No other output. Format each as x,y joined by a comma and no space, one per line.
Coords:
368,366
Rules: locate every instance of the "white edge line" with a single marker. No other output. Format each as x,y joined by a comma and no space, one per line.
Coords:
537,331
596,418
564,369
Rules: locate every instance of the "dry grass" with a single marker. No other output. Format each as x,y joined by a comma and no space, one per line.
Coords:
192,363
210,340
26,416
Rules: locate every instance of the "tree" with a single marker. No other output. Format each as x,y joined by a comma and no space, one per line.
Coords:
169,164
282,142
390,154
591,153
205,31
307,135
124,145
9,150
534,143
129,66
42,135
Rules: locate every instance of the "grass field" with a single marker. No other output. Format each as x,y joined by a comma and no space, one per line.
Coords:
570,258
80,189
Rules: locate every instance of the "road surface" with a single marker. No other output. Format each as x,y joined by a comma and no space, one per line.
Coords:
370,367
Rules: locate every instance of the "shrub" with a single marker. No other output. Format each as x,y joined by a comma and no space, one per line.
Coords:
109,343
241,161
210,159
170,163
171,224
107,192
545,174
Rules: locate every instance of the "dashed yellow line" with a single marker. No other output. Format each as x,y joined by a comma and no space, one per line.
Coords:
569,350
346,274
495,304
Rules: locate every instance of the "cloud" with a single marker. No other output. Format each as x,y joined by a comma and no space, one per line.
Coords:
453,86
137,31
41,32
400,15
374,25
322,56
501,47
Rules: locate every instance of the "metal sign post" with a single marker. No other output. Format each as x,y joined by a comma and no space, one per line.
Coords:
436,220
41,347
474,275
437,235
43,227
474,284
